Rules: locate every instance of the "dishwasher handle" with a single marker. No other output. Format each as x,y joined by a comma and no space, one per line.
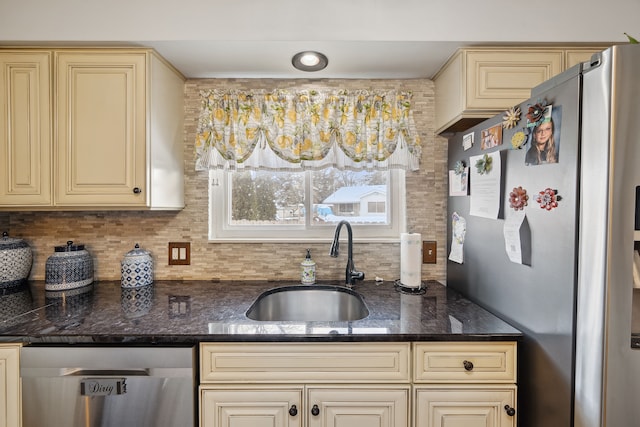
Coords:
83,372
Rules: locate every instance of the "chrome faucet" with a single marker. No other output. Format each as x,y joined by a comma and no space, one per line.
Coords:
351,274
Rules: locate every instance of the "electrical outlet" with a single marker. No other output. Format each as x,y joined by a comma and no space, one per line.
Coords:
179,253
429,252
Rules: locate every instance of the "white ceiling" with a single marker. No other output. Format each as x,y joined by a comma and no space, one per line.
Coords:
362,38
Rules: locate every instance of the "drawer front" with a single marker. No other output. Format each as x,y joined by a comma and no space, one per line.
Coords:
308,362
465,362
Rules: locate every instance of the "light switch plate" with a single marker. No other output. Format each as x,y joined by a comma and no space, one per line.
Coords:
179,253
429,252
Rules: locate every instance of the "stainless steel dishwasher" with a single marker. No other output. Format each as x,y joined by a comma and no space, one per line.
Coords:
107,386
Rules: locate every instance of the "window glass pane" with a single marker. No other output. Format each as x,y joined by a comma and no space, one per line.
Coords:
359,197
266,198
303,206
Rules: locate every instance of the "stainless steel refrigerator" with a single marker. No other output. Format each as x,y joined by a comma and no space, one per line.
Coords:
565,275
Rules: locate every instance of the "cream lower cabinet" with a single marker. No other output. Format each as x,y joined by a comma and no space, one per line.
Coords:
305,385
312,406
470,406
465,384
420,384
251,407
10,390
364,406
90,128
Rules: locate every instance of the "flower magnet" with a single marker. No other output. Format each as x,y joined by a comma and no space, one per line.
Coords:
548,199
518,198
536,112
518,140
511,117
484,164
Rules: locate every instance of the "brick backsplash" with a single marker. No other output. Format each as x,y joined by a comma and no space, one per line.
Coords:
108,235
4,221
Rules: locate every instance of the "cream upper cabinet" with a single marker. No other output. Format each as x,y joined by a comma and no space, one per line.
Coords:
10,409
101,124
478,83
576,56
117,117
25,128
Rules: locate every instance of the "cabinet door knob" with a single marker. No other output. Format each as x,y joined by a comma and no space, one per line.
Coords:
315,411
293,411
137,190
468,366
509,410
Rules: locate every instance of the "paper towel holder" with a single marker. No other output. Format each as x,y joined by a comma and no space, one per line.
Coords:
409,290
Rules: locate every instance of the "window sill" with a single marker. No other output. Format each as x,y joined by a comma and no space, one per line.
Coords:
305,240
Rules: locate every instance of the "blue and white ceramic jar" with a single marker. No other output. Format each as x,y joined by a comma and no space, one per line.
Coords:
15,261
70,267
136,268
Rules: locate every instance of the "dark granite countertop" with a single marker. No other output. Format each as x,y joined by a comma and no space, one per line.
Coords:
187,312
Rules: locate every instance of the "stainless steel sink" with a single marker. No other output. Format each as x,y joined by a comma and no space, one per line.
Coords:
308,303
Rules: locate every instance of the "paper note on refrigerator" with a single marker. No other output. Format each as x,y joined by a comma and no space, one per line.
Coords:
459,183
458,231
485,185
512,241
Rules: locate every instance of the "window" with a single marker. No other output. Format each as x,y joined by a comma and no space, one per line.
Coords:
376,207
306,205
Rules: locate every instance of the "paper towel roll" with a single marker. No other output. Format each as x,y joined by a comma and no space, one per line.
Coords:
411,260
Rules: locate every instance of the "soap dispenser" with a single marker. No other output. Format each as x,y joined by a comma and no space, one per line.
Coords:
308,270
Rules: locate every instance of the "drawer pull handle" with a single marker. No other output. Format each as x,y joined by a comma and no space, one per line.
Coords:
137,190
293,411
509,410
468,366
315,411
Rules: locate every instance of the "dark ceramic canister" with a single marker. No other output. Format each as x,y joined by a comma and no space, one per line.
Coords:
15,260
136,268
70,267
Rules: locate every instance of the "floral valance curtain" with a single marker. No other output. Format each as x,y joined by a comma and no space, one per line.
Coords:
287,130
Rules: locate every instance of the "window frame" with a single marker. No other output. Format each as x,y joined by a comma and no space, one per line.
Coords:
220,230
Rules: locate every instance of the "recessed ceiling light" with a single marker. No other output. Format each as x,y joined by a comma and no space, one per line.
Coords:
309,61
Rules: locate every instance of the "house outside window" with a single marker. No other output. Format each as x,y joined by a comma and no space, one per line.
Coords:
355,201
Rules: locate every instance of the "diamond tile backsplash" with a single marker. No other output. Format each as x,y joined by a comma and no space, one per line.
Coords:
109,235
